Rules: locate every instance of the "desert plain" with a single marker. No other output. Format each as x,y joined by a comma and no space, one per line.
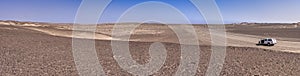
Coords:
34,49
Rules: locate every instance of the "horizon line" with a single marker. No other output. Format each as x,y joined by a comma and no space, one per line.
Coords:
151,22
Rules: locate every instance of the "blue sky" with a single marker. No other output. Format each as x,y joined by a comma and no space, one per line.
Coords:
64,11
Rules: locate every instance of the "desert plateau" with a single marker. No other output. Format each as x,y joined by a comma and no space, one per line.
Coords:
45,49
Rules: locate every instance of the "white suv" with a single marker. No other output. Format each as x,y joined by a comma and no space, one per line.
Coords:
267,41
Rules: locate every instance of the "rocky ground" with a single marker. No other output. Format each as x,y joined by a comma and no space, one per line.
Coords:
24,51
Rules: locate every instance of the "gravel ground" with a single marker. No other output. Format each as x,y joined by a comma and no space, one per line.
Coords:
283,32
27,52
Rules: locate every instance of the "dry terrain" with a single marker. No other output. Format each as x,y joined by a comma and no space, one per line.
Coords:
46,49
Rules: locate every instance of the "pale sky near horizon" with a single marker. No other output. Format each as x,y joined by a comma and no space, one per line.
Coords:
232,11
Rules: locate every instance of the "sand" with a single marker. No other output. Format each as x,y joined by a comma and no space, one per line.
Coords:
47,50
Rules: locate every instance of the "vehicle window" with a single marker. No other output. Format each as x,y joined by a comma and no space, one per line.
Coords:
269,39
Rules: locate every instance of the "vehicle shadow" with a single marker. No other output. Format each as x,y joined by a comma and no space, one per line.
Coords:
264,45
